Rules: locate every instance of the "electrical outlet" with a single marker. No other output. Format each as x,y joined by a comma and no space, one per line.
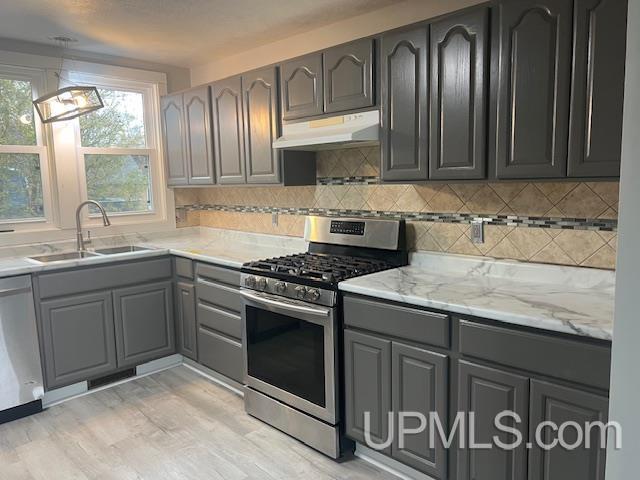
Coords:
274,219
477,231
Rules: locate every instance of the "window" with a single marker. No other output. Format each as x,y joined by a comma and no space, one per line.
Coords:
117,150
22,190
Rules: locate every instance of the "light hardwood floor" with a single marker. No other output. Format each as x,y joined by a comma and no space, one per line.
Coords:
170,425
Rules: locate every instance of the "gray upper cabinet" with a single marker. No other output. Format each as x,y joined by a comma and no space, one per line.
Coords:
175,149
533,55
598,88
488,392
348,76
78,338
302,87
403,105
186,327
260,99
368,385
197,112
228,131
144,323
419,384
458,96
557,404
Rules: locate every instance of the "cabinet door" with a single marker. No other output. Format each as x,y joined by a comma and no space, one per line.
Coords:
260,99
368,385
533,50
419,384
78,338
348,76
173,139
458,96
557,404
197,109
488,392
597,91
186,320
144,323
228,130
403,105
301,87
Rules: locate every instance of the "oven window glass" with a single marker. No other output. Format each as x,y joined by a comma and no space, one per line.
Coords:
287,353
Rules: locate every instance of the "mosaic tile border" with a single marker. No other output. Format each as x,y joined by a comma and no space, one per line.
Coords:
356,180
602,225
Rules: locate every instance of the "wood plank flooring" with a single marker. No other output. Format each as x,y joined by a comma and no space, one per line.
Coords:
174,424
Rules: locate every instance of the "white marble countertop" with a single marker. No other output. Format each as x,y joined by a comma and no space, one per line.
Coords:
222,247
572,300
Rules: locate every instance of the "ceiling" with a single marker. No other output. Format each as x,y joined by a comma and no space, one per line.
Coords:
174,32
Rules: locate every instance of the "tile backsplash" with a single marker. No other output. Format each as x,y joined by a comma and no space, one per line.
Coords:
568,223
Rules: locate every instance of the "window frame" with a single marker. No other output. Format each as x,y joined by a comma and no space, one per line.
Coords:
37,79
150,98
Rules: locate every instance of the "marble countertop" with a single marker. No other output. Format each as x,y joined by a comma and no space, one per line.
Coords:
222,247
564,299
571,300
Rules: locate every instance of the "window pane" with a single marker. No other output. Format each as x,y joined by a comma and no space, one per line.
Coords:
20,186
119,124
16,113
122,183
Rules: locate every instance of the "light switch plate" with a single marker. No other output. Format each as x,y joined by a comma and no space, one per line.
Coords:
477,231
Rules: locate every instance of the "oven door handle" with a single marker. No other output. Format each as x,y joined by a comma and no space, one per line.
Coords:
263,299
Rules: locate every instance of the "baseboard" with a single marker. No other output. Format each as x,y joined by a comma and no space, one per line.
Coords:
215,377
387,464
158,365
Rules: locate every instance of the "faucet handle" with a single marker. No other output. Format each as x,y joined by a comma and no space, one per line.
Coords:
88,240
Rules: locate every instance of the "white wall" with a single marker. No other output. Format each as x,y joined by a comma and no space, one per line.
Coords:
625,382
369,23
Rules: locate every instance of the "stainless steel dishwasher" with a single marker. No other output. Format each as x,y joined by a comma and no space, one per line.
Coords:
21,387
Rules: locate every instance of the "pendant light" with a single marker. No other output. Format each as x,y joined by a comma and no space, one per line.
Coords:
68,102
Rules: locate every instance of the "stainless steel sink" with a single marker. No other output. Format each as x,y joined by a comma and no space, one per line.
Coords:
59,257
123,249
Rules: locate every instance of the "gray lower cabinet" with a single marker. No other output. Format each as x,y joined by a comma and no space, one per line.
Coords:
301,87
144,323
228,130
173,137
186,326
458,96
348,76
367,366
487,392
403,105
532,54
419,383
78,338
597,90
558,404
261,126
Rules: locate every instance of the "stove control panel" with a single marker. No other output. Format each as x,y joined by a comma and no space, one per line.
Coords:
347,227
319,296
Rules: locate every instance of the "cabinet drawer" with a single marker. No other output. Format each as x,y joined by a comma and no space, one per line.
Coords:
218,274
218,294
184,267
403,322
570,360
220,354
223,322
70,282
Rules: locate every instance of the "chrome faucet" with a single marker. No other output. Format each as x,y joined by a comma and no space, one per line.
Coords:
105,221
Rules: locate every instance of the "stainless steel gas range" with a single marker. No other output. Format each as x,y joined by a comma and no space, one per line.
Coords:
292,320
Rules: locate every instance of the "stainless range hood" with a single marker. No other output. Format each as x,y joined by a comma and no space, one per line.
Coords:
357,129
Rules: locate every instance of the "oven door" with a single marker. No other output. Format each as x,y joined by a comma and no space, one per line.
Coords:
290,353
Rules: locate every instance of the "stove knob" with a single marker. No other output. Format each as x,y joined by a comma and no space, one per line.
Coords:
250,281
261,283
313,294
301,291
280,287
